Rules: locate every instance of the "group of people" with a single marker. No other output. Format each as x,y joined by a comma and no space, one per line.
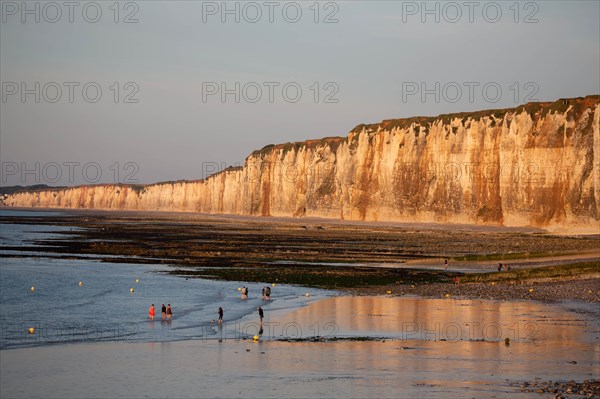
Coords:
266,293
505,267
166,311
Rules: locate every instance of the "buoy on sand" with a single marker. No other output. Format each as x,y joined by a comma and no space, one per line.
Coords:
32,289
31,330
307,294
256,338
131,290
389,292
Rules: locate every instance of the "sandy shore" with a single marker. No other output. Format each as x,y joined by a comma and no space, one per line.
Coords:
367,345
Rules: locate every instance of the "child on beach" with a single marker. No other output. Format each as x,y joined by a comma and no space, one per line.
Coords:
163,311
151,312
220,315
261,314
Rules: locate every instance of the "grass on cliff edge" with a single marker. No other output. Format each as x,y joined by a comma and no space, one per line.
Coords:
584,269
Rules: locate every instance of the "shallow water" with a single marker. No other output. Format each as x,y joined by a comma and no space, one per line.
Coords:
103,308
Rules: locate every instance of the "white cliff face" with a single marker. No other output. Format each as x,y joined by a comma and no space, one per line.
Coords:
536,165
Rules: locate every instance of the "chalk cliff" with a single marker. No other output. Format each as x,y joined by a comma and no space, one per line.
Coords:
534,165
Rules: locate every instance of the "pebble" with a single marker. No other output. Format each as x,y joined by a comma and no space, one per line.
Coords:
587,388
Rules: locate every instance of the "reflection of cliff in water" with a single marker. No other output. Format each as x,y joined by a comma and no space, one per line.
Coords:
448,319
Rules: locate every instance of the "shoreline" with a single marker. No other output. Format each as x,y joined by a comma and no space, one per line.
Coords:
353,257
584,290
162,214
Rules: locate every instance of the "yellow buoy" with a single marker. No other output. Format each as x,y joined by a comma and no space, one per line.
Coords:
273,284
447,295
255,338
31,330
389,292
32,289
307,294
131,290
531,290
239,288
80,283
137,280
589,291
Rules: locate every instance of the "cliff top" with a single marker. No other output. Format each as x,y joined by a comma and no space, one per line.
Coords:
538,109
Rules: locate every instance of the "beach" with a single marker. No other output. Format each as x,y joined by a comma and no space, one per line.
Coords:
385,348
358,310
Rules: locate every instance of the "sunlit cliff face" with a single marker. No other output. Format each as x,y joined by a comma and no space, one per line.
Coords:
537,165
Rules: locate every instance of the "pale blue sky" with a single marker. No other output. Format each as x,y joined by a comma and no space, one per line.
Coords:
372,52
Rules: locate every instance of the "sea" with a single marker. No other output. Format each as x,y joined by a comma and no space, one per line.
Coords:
46,300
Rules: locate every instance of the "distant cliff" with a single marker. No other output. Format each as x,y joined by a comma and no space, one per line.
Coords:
534,165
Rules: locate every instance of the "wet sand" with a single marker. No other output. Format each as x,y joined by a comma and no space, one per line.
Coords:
417,354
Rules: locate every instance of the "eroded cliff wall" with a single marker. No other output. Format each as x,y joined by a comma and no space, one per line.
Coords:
534,165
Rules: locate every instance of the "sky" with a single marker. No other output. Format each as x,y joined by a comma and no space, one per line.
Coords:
149,91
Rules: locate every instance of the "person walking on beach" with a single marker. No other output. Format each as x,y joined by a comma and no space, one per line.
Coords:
499,266
220,315
268,293
169,311
261,314
263,293
446,264
163,311
243,292
151,312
